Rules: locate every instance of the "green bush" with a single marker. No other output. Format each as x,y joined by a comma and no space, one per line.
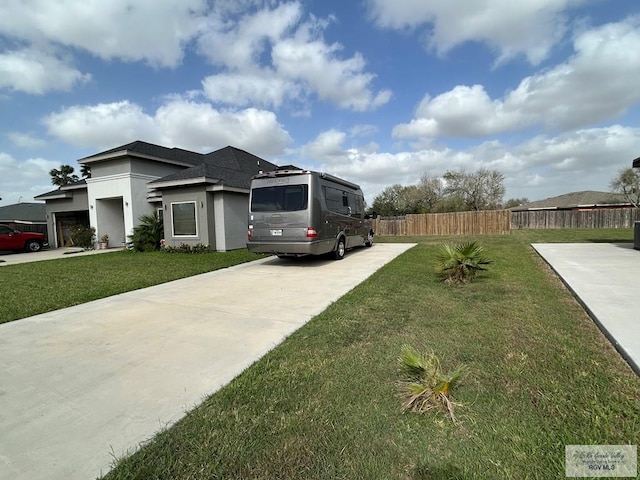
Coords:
148,234
82,236
186,248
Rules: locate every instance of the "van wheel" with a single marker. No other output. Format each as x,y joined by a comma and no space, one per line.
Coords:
369,242
339,253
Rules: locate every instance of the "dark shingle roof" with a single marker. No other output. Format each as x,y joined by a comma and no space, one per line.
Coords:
71,186
587,198
26,212
636,163
209,174
228,166
178,155
236,159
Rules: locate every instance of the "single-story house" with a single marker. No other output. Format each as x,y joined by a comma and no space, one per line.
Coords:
26,217
586,200
202,198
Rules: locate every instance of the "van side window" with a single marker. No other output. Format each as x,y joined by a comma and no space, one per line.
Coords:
336,200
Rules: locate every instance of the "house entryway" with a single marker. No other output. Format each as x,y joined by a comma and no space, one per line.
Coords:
110,220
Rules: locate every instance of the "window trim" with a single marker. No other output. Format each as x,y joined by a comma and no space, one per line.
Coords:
195,215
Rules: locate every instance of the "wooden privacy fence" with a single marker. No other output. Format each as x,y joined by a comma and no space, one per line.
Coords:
490,222
497,222
600,218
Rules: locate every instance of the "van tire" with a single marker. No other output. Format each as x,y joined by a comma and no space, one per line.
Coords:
369,241
340,249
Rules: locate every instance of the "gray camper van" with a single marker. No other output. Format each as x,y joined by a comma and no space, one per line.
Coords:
294,212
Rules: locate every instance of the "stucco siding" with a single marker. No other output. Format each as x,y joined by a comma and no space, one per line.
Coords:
236,210
198,196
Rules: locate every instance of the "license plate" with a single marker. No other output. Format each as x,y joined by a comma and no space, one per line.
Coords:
277,233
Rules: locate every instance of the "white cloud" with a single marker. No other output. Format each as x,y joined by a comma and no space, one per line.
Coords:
155,32
528,27
180,123
540,167
244,89
597,84
339,81
25,140
239,44
272,56
34,71
201,127
103,125
20,180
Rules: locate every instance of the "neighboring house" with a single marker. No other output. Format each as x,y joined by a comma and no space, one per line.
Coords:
588,209
26,217
636,163
202,198
587,200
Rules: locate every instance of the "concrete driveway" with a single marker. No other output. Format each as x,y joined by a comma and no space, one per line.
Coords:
604,277
81,383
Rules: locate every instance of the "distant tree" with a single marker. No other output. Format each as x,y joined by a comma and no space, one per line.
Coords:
64,176
387,203
482,190
85,171
400,200
431,192
627,182
515,202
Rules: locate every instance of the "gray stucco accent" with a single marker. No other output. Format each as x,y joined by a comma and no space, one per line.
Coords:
192,194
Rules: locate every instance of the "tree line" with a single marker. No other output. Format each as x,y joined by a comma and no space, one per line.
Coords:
455,191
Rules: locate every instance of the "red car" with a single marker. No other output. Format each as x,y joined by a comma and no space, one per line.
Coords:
11,239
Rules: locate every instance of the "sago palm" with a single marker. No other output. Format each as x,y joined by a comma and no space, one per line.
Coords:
460,263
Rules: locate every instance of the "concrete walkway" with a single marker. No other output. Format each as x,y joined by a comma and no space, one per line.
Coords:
10,258
605,278
82,383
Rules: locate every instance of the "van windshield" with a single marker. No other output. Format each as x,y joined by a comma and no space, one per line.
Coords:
278,198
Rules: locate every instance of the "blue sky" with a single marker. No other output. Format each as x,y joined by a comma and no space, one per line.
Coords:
377,91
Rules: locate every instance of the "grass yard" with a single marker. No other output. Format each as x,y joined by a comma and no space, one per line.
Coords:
30,288
325,404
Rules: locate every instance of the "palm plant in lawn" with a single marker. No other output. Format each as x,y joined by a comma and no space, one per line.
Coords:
427,386
461,263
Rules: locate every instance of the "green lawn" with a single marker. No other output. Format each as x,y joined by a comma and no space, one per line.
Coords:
30,288
325,404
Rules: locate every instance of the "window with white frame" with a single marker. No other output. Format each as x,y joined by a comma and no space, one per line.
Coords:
183,219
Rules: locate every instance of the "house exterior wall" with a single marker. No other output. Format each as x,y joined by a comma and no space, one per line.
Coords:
78,203
156,169
116,166
110,167
236,211
198,195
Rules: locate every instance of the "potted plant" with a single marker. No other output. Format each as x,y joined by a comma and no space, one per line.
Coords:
104,242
